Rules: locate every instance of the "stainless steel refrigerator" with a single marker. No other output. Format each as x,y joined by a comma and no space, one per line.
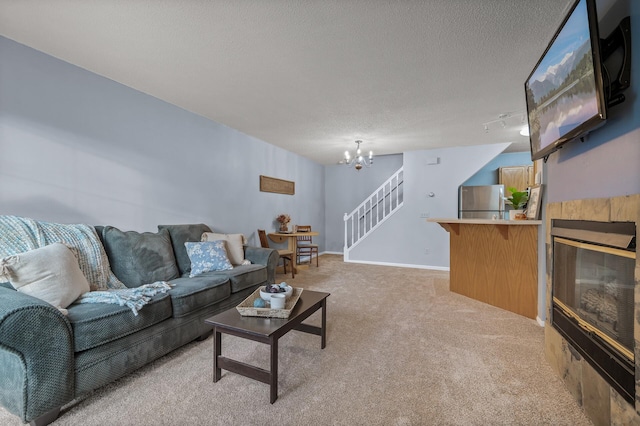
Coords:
481,202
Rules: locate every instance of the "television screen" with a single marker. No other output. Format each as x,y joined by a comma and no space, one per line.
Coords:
564,93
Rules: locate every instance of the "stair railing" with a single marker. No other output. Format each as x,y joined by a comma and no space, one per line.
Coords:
373,212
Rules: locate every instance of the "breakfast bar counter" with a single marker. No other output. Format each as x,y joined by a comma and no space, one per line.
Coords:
495,262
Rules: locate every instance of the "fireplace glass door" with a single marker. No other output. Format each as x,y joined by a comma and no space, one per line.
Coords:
594,285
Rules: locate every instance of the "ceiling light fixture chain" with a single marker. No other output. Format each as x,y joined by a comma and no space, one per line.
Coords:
358,161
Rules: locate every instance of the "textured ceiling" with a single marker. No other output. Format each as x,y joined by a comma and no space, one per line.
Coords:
312,76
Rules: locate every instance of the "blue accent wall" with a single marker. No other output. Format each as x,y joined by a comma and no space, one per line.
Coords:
488,175
607,163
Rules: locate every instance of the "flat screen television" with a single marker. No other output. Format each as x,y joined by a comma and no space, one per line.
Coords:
564,93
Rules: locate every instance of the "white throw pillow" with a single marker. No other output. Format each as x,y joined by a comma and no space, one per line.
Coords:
234,245
50,273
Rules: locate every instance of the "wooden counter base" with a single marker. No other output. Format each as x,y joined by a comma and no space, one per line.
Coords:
495,263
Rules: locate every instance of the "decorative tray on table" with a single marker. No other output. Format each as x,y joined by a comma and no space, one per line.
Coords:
246,308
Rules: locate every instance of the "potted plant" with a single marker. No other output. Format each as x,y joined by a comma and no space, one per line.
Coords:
517,201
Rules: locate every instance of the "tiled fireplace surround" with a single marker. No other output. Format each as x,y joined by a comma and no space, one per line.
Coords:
602,404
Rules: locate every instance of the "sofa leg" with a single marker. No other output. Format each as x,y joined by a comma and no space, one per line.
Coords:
46,418
204,336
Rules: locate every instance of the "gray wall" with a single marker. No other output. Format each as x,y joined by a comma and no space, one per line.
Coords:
79,148
347,188
403,239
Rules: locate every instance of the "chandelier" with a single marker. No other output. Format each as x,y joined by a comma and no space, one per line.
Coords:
358,159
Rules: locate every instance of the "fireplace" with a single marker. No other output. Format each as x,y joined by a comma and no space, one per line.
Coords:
593,295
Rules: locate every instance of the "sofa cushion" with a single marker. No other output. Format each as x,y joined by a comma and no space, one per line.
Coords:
207,256
50,273
243,276
180,234
95,324
140,258
234,244
190,294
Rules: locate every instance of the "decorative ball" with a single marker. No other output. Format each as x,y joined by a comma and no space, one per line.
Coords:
267,291
259,303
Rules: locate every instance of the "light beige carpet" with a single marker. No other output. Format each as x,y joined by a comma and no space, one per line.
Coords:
401,350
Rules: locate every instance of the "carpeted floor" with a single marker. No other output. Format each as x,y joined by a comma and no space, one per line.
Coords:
401,350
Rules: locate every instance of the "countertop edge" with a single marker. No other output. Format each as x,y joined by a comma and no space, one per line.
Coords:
486,221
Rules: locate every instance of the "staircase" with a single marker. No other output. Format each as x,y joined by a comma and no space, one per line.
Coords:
373,212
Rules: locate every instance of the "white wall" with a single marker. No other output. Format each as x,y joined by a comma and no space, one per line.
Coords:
404,237
79,148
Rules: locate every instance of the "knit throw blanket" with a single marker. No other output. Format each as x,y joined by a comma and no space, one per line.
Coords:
134,298
19,235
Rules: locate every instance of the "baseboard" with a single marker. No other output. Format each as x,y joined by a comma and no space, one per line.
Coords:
401,265
540,322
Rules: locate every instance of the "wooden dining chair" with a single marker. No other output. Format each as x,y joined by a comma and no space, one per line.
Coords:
285,255
305,245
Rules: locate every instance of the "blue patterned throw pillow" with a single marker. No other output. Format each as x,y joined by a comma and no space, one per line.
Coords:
207,256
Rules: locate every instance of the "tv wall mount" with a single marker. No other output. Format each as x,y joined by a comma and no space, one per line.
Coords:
620,38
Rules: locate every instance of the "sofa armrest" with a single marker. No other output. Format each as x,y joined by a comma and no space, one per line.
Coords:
36,356
263,256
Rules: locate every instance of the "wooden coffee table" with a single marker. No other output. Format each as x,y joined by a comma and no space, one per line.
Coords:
265,330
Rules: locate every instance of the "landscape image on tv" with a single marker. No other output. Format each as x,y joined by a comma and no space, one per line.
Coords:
561,92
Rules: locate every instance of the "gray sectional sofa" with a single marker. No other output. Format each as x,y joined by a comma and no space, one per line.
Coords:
48,359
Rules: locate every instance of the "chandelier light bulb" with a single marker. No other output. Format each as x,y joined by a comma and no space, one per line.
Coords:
358,160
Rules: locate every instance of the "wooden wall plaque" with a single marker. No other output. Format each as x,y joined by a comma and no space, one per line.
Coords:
279,186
